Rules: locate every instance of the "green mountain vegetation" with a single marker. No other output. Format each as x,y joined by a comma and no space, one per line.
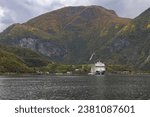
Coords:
71,34
10,63
131,45
16,59
30,58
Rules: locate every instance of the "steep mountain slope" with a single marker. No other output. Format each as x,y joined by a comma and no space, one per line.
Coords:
72,34
11,63
131,45
69,34
30,58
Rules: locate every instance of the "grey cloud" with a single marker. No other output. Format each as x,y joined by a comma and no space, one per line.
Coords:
19,11
54,5
7,20
125,8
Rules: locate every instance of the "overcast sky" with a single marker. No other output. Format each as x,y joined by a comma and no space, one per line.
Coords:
19,11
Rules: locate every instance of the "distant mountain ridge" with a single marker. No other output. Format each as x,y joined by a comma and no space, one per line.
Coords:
72,34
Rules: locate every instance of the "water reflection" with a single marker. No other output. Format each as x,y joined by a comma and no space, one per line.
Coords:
75,87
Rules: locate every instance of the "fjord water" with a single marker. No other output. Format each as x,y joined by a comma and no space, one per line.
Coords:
109,87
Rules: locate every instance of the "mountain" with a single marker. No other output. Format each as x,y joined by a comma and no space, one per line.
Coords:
131,45
16,59
11,63
30,58
67,33
72,34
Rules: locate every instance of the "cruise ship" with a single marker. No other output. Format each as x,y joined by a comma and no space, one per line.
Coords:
98,69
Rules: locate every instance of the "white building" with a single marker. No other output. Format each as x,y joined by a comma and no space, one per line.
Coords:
98,68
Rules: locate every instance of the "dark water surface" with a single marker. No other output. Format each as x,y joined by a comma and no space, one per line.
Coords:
108,87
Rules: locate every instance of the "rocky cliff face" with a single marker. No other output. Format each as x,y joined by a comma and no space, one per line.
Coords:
130,45
48,48
72,34
68,33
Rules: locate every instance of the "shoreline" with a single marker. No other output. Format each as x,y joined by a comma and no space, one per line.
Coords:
73,74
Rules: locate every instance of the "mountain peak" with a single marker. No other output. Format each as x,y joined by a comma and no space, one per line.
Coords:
95,8
74,10
145,14
102,8
58,20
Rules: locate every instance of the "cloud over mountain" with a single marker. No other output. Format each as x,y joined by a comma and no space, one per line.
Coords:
15,11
